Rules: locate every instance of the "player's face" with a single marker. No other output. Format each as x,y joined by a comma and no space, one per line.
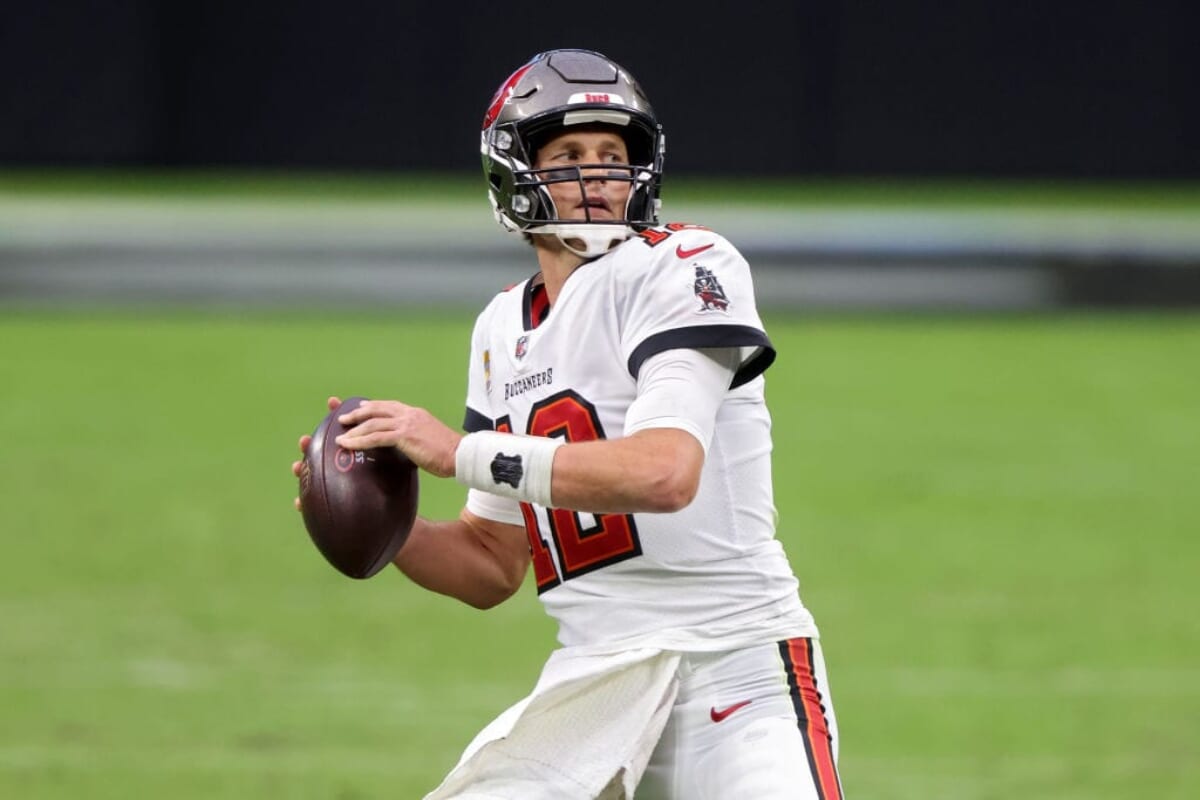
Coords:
602,198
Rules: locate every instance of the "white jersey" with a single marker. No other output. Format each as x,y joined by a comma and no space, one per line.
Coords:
709,577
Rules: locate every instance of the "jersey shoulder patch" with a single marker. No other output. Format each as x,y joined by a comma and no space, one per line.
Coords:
693,256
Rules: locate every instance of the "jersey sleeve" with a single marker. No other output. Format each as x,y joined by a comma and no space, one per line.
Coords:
479,415
682,389
693,291
494,507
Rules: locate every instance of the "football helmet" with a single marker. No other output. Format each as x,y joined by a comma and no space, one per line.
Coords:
555,90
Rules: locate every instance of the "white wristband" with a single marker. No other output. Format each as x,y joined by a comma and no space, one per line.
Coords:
506,464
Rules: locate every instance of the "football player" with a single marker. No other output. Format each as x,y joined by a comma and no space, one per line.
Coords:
618,441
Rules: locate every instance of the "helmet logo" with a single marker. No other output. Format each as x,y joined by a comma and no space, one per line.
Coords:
502,94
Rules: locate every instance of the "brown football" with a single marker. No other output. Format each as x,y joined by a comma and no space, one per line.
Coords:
358,505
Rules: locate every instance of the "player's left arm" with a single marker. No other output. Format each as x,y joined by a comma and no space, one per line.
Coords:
652,470
655,470
656,467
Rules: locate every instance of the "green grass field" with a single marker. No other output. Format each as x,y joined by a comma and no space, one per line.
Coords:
994,520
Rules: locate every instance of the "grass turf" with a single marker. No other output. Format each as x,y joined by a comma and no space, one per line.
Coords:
993,520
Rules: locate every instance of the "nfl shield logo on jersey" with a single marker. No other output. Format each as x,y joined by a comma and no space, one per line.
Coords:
522,347
708,289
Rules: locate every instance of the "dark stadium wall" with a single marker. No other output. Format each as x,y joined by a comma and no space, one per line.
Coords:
1065,89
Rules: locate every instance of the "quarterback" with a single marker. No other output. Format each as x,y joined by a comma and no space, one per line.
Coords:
617,440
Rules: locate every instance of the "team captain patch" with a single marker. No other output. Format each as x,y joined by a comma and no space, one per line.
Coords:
708,289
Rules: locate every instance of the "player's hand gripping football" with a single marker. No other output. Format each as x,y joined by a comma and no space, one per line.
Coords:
426,440
422,437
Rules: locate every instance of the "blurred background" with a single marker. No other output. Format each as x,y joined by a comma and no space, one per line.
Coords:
975,235
1020,157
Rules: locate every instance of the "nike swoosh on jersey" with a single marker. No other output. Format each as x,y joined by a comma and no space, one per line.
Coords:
679,251
718,716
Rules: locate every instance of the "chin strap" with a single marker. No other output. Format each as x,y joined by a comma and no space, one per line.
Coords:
596,239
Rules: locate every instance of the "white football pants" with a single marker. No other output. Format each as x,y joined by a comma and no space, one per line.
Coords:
752,724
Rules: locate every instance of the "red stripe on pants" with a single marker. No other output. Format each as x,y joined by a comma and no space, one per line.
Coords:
810,714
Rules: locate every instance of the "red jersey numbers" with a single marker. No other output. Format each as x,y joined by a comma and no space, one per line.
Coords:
656,236
583,542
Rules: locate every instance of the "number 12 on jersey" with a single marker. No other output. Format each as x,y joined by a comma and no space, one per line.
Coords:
605,539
